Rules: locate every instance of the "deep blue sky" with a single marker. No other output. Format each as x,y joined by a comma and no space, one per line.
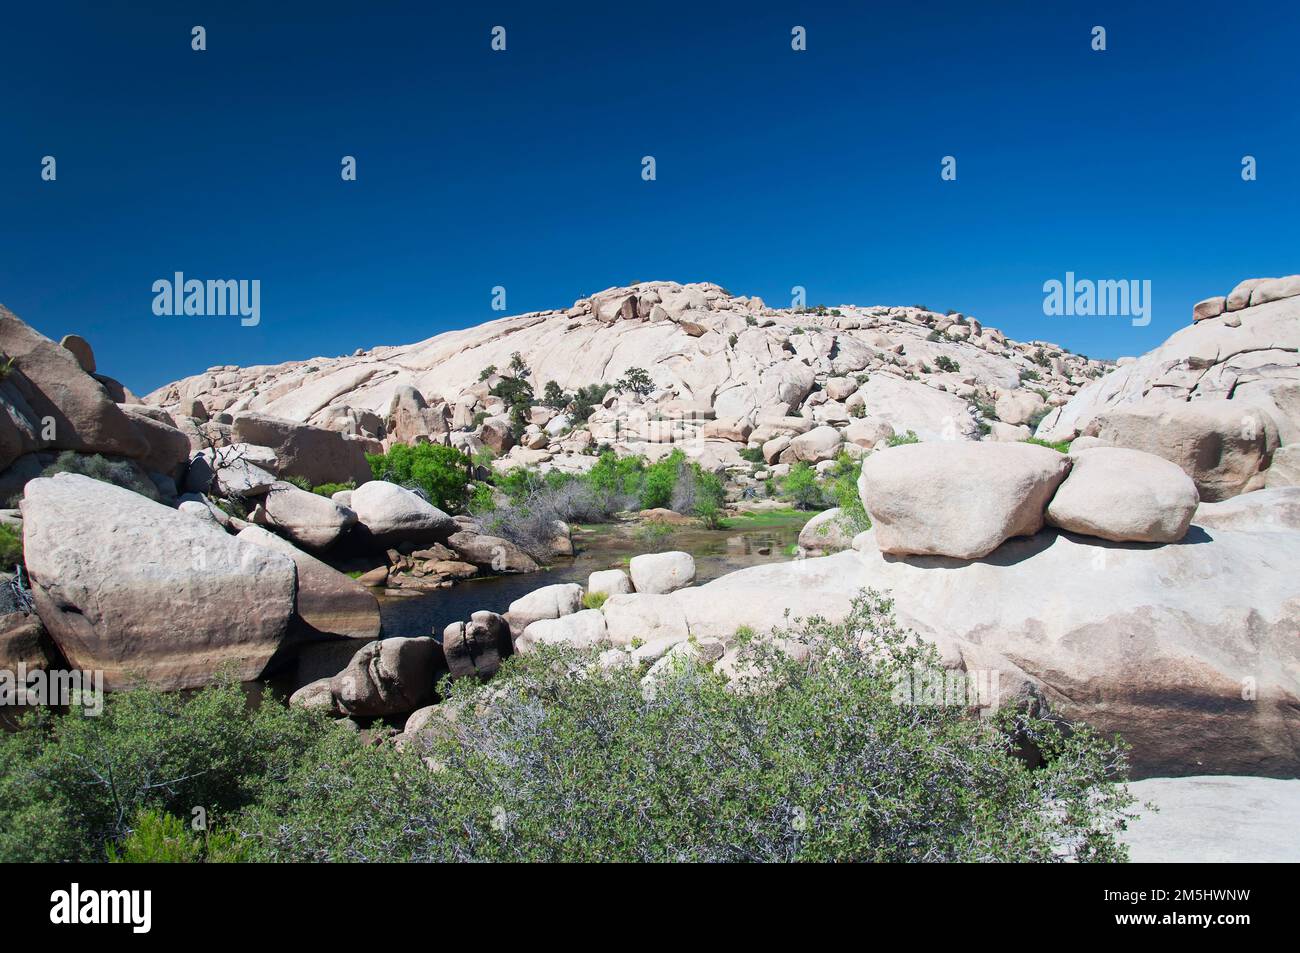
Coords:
523,169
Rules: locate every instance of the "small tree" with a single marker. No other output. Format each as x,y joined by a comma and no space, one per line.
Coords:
636,380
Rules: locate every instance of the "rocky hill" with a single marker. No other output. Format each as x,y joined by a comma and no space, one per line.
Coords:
725,371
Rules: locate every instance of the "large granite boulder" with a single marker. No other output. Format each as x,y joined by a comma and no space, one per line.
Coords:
827,532
1273,510
476,647
313,453
309,519
1223,445
48,402
547,602
1125,496
662,572
146,593
1208,819
958,498
389,677
390,514
329,604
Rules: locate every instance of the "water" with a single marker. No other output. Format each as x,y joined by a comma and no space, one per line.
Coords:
717,552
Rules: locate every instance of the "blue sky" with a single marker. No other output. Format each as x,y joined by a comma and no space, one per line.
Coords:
522,169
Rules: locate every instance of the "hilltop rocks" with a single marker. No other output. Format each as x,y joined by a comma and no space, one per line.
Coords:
475,648
306,518
820,443
145,592
48,402
389,677
1285,468
958,499
1248,357
1222,445
391,514
328,603
662,572
313,453
1124,495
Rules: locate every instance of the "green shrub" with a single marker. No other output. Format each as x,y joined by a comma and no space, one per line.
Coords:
121,473
658,481
901,439
442,473
821,760
1060,446
11,547
71,785
752,455
947,364
157,838
594,600
301,483
801,488
329,489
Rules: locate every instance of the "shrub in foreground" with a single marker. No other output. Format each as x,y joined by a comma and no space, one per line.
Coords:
556,760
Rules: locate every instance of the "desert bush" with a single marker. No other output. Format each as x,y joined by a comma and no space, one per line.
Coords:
329,489
594,600
121,473
1060,446
814,760
72,785
158,838
945,363
901,439
441,473
802,488
301,483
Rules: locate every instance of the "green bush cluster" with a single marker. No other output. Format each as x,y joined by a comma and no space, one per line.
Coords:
441,473
556,759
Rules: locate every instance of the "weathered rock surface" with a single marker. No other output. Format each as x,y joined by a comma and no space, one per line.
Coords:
609,582
329,604
476,647
547,602
958,499
825,533
491,552
48,402
308,519
146,593
1215,820
313,453
1188,650
580,630
1124,496
1271,510
1223,445
389,677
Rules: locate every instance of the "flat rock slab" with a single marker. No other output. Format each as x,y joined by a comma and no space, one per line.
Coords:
1216,819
